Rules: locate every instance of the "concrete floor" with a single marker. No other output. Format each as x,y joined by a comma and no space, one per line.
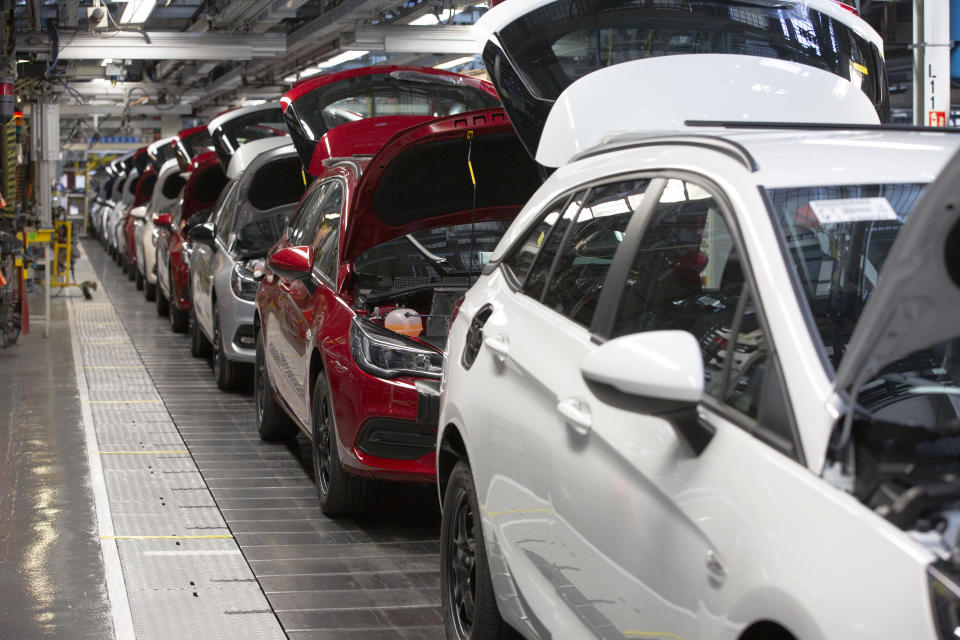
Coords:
51,567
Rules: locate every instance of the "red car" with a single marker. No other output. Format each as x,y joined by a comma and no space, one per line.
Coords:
352,315
200,193
142,193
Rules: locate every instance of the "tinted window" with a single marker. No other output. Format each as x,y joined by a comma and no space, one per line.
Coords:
172,186
589,247
687,275
226,209
549,240
565,40
325,251
233,134
305,214
521,259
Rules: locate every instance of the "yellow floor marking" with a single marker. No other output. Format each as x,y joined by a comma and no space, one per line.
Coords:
138,453
125,401
224,536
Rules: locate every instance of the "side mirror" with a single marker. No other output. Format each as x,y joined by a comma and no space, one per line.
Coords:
138,213
202,233
659,373
162,219
292,263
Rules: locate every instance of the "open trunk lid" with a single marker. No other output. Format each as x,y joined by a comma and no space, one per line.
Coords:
315,106
235,128
422,179
535,49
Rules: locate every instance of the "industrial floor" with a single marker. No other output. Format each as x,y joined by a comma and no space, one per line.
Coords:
137,501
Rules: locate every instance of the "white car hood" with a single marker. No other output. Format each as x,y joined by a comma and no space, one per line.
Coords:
650,95
916,303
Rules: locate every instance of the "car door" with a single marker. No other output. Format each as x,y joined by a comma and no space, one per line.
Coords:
641,514
283,318
205,261
534,338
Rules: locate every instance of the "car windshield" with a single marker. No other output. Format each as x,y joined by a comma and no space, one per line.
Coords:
838,238
565,40
430,255
255,238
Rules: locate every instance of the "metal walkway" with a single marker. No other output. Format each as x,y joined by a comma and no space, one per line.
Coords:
373,577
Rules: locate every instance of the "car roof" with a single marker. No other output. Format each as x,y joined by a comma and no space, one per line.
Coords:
797,156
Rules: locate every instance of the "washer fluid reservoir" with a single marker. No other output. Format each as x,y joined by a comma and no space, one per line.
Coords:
404,321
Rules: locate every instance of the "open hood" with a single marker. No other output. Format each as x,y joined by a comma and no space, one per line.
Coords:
644,95
916,303
535,49
237,127
204,185
314,107
421,179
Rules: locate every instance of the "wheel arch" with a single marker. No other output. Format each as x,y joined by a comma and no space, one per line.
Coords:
451,450
317,366
766,630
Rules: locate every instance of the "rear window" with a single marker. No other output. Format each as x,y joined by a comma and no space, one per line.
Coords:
209,183
233,134
277,183
556,44
172,186
406,93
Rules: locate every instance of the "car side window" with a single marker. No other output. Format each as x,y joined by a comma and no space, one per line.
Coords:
326,237
587,250
687,275
225,213
548,240
521,259
303,216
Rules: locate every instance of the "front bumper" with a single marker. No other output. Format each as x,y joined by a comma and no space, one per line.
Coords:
236,327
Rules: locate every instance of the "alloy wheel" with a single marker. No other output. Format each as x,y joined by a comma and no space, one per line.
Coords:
462,552
323,445
260,383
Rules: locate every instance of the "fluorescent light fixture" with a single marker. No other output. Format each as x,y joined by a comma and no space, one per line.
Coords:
340,58
430,19
292,78
455,63
137,11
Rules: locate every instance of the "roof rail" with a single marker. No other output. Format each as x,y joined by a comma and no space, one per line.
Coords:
833,126
630,141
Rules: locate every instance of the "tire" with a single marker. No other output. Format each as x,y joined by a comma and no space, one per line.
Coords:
339,492
131,271
199,345
179,319
273,423
163,305
149,291
467,602
225,372
138,279
123,265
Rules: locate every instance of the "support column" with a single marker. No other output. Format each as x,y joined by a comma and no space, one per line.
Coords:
46,126
931,63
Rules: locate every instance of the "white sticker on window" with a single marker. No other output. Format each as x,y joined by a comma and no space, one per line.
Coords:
852,210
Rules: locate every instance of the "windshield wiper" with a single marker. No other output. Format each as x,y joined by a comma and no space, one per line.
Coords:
437,262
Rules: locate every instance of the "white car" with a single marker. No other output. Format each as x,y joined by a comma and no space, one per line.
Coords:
708,387
165,195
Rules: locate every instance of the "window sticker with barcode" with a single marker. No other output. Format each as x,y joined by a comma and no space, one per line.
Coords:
852,210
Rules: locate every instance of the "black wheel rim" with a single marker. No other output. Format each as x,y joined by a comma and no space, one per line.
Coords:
217,348
462,566
260,383
322,443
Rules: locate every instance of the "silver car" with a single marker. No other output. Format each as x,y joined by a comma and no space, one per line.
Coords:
266,182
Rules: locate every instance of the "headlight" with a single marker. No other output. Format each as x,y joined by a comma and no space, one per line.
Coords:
242,280
386,354
945,598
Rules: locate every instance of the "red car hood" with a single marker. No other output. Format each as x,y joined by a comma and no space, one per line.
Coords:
204,185
421,179
316,106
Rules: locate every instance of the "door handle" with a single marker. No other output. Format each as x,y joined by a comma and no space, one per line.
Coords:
499,346
576,414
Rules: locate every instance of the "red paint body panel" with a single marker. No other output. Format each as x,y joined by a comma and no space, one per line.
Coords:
190,204
141,197
363,229
312,84
130,238
162,219
363,137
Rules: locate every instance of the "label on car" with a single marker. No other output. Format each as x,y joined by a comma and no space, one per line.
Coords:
852,210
